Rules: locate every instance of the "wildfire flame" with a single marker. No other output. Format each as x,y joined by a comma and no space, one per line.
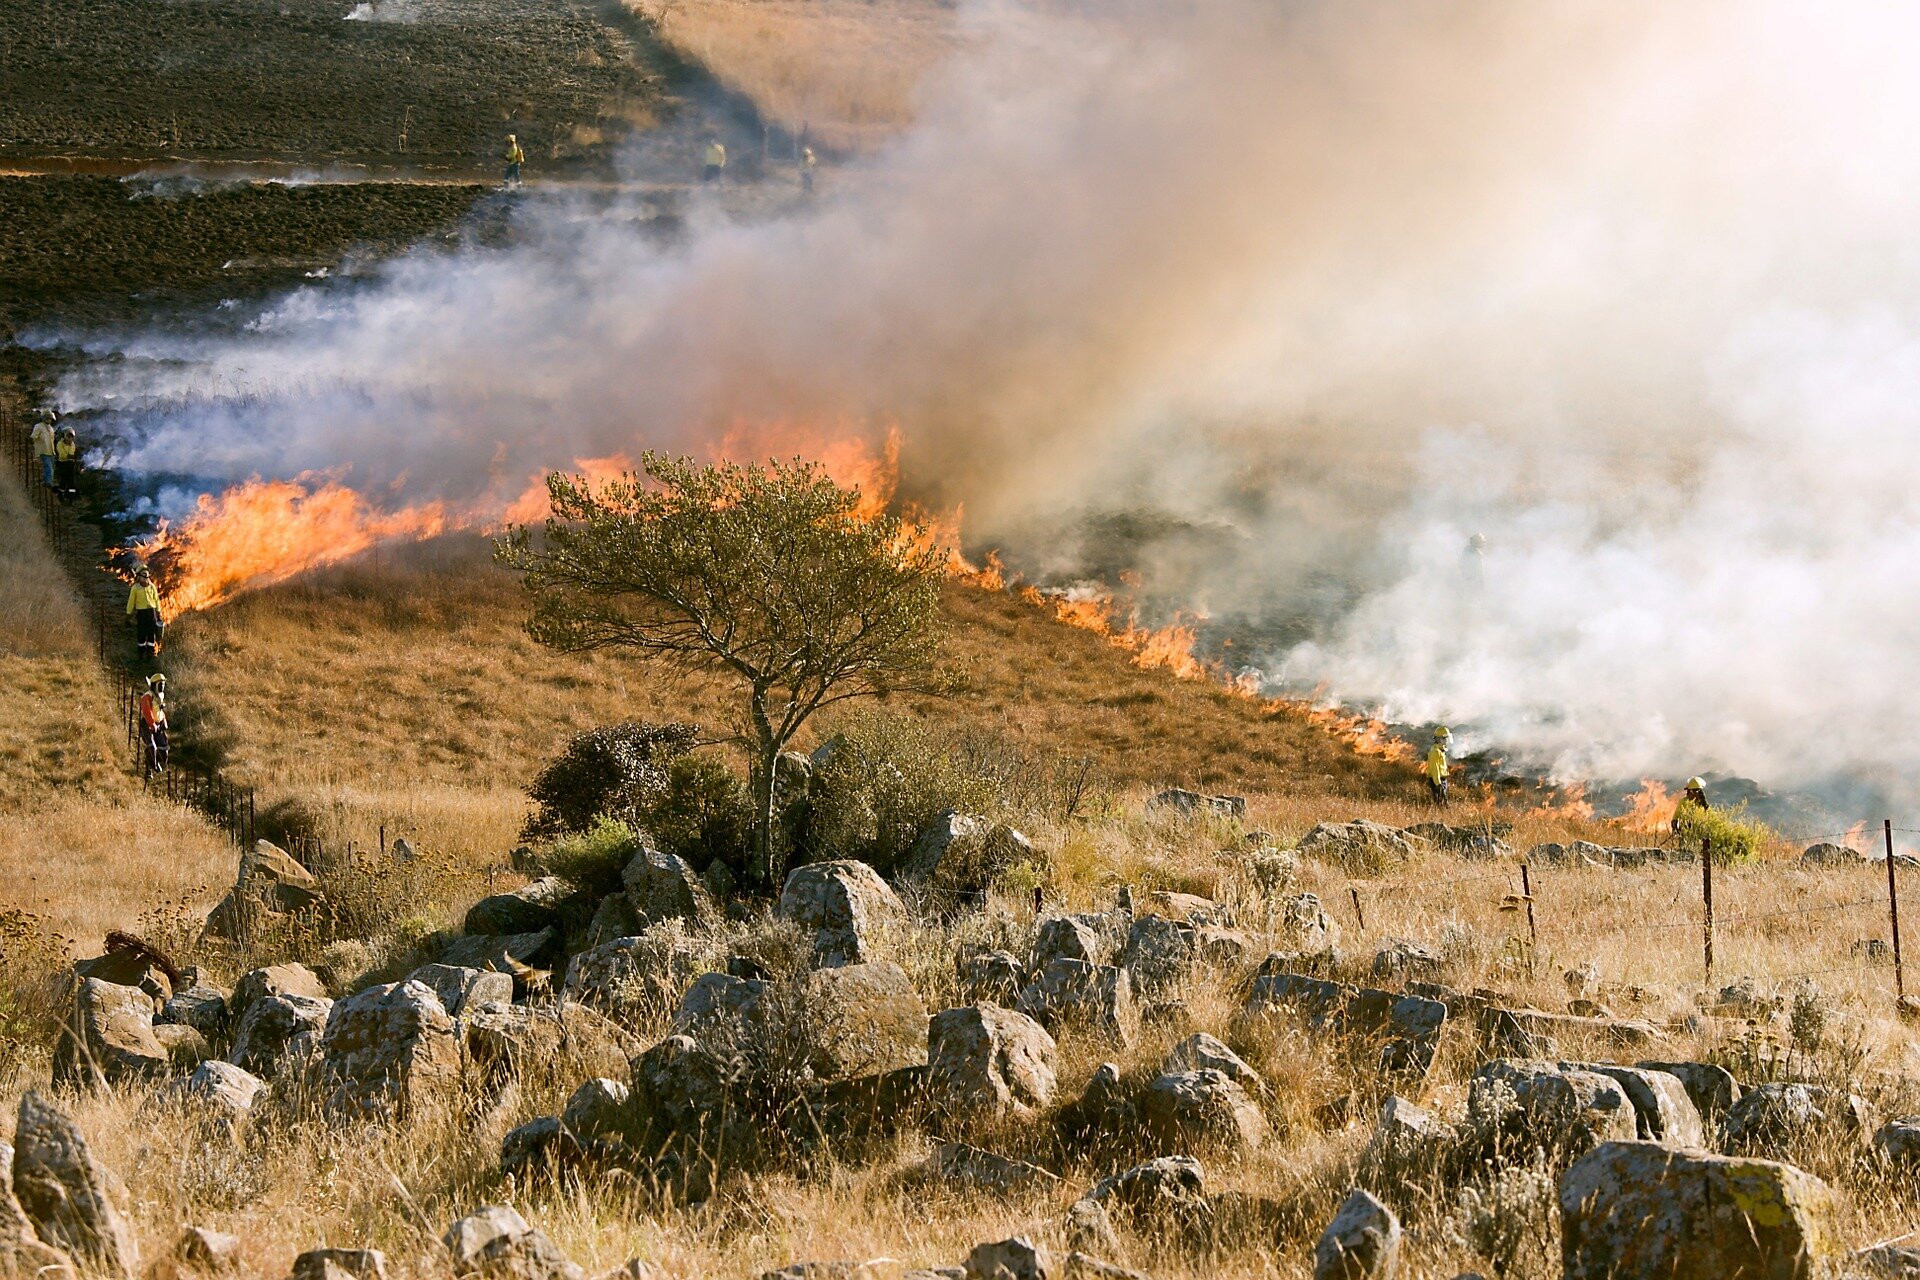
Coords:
1168,648
1650,808
1569,803
1362,733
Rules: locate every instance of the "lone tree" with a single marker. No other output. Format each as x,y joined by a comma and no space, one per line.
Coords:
771,573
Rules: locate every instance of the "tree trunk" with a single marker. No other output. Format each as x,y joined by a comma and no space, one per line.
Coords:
765,775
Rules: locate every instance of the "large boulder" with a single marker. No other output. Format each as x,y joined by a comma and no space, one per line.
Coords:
221,1090
1402,1030
526,957
1085,937
108,1036
664,886
1776,1119
73,1202
1519,1106
1014,1259
270,884
130,962
459,988
717,1003
985,1062
278,1030
528,909
275,980
844,905
1642,1211
1168,1192
1361,1243
947,829
525,1255
22,1252
1711,1087
1160,954
390,1047
862,1020
1898,1142
1202,1110
204,1008
597,1109
1073,993
1662,1110
507,1041
1360,847
1408,1139
678,1093
991,977
469,1235
635,977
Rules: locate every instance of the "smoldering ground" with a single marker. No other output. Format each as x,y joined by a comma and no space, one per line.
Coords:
1324,288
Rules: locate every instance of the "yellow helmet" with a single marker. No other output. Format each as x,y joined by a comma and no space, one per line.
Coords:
1696,784
1442,733
156,681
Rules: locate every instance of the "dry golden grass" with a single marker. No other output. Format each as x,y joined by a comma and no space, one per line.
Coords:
848,71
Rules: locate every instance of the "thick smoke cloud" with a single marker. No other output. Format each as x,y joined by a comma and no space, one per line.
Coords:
1631,288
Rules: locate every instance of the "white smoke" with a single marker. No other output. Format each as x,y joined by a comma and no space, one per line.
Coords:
1629,287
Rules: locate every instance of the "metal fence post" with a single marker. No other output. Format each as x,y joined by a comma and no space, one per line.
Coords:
1893,917
1706,895
1526,888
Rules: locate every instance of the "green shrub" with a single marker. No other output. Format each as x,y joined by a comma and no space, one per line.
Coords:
703,812
594,858
1730,834
885,779
615,771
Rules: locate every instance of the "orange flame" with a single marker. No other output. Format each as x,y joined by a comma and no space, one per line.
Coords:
1568,803
1168,648
1362,733
1648,809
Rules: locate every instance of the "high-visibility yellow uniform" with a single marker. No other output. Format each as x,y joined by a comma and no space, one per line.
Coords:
514,154
66,449
1436,769
716,155
143,596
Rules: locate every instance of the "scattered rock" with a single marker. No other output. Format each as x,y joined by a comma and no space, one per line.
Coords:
1075,993
988,1063
333,1264
597,1109
992,977
1186,803
663,886
459,989
1166,1193
21,1251
1089,1226
1772,1119
390,1047
226,1092
1408,1137
1536,1033
278,1030
1015,1259
1083,1266
1077,937
1160,953
1401,958
1201,1051
1712,1088
716,1001
528,909
275,980
863,1020
845,904
1465,842
1637,1210
108,1036
1303,927
1357,847
1406,1027
202,1008
571,1039
131,962
209,1252
1898,1142
1536,1105
71,1200
1831,855
524,1255
466,1237
1203,1110
1663,1111
1100,1111
930,847
526,957
986,1171
613,918
1361,1243
270,884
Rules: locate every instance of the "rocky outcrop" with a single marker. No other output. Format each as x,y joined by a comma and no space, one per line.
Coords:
1361,1243
1712,1088
390,1048
988,1063
277,1030
1201,1051
1203,1110
108,1036
204,1008
1638,1210
1406,1028
469,1235
635,976
459,989
528,909
1520,1106
1662,1110
505,1041
991,977
1073,993
221,1090
664,886
73,1202
862,1020
844,905
275,980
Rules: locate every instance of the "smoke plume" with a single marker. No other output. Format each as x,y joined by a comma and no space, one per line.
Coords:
1297,297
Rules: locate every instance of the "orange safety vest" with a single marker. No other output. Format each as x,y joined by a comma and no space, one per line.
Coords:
152,714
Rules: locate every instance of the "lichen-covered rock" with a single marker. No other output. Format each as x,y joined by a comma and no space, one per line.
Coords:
108,1036
1662,1110
1101,1111
1359,846
716,1002
1361,1243
678,1092
504,1040
1167,1193
988,1063
524,1255
390,1047
1015,1259
844,905
1641,1211
468,1235
1403,958
340,1264
597,1109
991,977
275,980
225,1092
1160,954
1075,937
528,909
22,1252
1201,1050
460,988
1073,993
1409,1138
1898,1142
1301,926
1515,1103
958,1163
1774,1119
277,1031
930,848
1712,1088
1202,1110
664,886
637,976
270,884
1406,1028
862,1020
200,1007
73,1202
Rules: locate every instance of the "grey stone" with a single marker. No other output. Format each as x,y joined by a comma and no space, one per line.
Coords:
279,1030
528,909
524,1255
331,1264
21,1250
1089,1226
1075,993
1302,926
863,1020
1406,1027
634,978
1402,958
1100,1111
613,918
1201,1050
1537,1033
845,905
1831,855
1537,1105
958,1163
1187,803
1898,1142
108,1036
1773,1119
662,886
73,1202
458,988
202,1008
1712,1088
1639,1210
571,1040
270,883
225,1091
1663,1112
992,977
1160,953
524,956
1166,1191
930,847
130,962
1408,1136
209,1252
1076,937
468,1235
596,1109
1359,846
716,1001
390,1047
1361,1243
1014,1259
1084,1266
1203,1110
275,980
989,1063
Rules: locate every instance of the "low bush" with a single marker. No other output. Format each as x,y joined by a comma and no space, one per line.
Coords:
702,813
593,859
885,779
614,771
1730,834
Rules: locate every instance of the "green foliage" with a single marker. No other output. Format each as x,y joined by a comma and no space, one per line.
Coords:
613,771
594,858
31,960
886,778
703,812
1730,834
773,575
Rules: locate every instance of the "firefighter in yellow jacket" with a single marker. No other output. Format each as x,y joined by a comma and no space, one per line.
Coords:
1436,768
143,606
716,161
515,158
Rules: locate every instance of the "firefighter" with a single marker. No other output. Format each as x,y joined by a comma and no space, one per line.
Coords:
515,158
143,606
716,161
153,723
66,464
1695,795
807,161
43,448
1436,768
